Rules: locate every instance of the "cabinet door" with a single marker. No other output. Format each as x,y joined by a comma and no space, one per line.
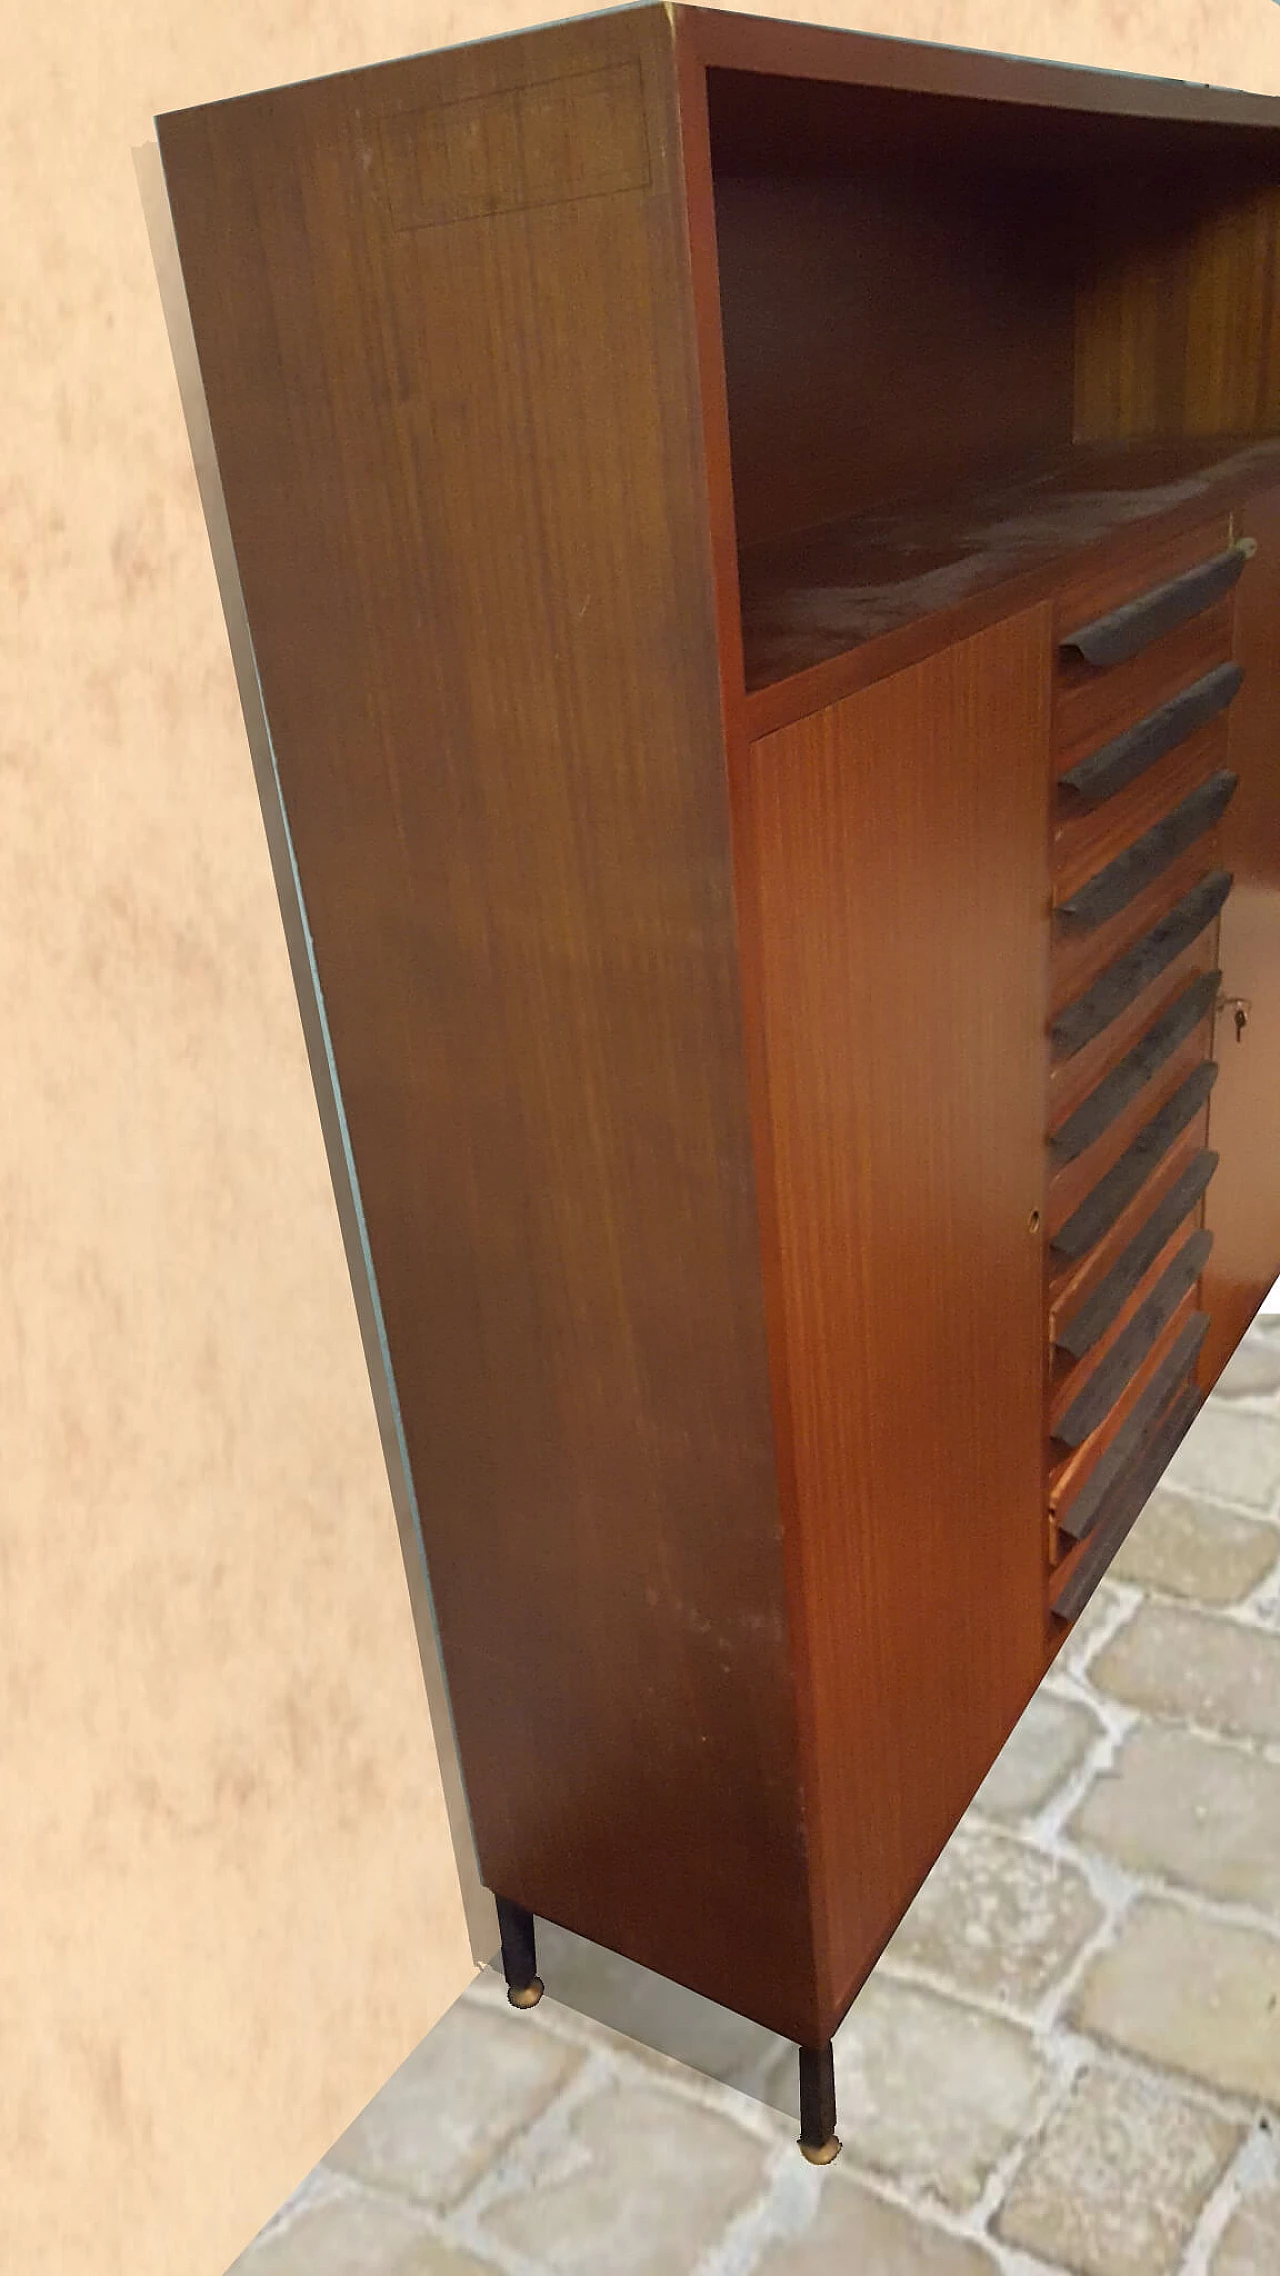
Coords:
893,874
1242,1207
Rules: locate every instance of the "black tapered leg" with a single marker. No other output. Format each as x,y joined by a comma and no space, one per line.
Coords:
818,2138
519,1959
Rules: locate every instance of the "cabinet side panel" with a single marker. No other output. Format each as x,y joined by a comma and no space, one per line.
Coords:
900,913
443,315
1242,1205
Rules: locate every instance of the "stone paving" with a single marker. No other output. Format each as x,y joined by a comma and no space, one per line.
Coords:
1068,2059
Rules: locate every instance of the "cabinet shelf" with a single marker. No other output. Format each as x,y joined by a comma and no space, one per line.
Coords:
811,598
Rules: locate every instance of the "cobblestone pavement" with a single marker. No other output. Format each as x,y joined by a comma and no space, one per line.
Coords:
1068,2059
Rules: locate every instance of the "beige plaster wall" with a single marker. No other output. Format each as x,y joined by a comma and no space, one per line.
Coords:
229,1904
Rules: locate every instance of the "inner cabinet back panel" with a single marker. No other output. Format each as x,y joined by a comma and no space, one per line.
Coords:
1242,1206
894,890
842,301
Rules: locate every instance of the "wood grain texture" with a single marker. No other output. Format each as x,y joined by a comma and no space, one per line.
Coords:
1070,1381
1242,1207
831,609
904,1041
1080,963
1097,1112
1112,889
1096,705
844,297
708,331
1034,104
1072,1080
1072,1280
462,453
1079,1333
1068,1188
1130,1490
1069,1475
1087,837
1147,558
1178,322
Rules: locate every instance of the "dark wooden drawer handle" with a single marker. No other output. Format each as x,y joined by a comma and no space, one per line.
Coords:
1086,1327
1124,632
1114,1373
1082,1513
1131,1493
1118,1089
1124,981
1113,888
1120,762
1113,1193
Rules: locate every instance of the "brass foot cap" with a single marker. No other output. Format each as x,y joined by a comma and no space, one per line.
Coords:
824,2154
528,1995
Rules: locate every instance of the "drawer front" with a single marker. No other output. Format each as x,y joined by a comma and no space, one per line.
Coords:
1080,1475
1137,863
1082,1321
1136,1480
1091,592
1072,1286
1156,921
1122,633
1073,1081
1111,725
1087,1397
1074,1138
1113,735
1153,1095
1146,677
1118,985
1086,836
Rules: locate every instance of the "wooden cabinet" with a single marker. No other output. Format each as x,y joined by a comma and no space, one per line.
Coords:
762,552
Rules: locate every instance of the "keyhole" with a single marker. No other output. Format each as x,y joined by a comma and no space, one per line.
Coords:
1240,1008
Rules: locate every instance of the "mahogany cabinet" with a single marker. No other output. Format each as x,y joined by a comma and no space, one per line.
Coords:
762,552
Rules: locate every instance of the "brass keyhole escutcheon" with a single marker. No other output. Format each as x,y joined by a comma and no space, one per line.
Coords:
1033,1221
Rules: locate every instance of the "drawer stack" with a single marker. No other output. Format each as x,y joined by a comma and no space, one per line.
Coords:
1145,680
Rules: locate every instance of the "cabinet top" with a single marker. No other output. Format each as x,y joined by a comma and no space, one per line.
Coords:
726,40
733,41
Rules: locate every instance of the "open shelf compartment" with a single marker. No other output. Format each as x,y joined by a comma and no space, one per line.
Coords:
965,337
